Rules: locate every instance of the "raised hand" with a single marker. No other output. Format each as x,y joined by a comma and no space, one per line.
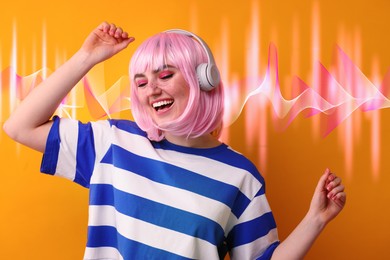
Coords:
30,123
104,42
329,198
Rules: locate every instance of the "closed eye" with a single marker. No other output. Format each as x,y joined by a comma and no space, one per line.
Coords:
166,75
141,83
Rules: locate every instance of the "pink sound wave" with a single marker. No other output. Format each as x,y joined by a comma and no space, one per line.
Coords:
331,98
341,91
86,94
336,94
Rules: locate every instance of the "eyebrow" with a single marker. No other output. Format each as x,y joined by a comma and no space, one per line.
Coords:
165,66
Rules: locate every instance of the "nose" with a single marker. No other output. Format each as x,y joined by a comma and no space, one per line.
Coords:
153,88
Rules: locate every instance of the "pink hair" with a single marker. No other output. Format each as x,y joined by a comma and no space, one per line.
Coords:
204,111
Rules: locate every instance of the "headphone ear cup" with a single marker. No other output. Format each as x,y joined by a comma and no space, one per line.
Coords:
208,76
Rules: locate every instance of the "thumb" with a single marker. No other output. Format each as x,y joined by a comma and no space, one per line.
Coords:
123,44
321,186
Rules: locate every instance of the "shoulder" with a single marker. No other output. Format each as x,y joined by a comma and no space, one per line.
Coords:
238,160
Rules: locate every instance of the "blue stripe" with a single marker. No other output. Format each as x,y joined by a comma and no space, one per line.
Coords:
221,153
50,157
85,157
178,177
128,126
157,213
106,236
239,161
240,204
206,152
267,254
247,232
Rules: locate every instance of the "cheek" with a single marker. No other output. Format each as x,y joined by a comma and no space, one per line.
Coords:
186,94
141,95
185,99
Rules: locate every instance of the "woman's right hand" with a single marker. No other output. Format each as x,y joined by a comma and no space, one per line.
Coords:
30,123
104,42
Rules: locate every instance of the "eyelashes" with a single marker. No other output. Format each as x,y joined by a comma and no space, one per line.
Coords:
166,75
141,83
163,76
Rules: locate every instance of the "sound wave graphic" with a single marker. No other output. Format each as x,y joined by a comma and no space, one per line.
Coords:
341,90
89,94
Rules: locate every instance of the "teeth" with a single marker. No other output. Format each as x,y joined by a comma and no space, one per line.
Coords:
162,103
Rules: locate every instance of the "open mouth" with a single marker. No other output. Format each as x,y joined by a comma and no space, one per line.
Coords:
163,104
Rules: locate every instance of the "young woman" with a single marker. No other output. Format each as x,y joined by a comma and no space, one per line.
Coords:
164,186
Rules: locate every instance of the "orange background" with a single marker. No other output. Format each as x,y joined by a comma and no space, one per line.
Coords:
43,217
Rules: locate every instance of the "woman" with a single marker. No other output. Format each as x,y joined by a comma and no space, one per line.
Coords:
164,186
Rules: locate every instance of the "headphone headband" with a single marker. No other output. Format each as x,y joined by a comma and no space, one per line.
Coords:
208,73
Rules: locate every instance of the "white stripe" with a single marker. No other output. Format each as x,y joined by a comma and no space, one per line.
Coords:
152,235
258,207
161,193
102,253
102,143
66,165
237,177
216,170
256,248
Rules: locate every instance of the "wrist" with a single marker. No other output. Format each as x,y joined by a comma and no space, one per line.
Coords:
314,221
84,60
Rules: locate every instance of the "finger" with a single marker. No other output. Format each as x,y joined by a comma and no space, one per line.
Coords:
118,32
340,199
341,196
125,35
112,29
330,177
336,190
123,44
104,27
333,183
321,186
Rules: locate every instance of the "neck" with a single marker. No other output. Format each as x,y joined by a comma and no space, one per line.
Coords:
204,141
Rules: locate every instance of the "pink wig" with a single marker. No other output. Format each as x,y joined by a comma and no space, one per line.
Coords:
204,111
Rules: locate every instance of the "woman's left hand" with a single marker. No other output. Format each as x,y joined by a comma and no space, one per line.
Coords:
329,198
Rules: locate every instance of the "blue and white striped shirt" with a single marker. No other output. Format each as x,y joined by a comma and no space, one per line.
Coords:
157,200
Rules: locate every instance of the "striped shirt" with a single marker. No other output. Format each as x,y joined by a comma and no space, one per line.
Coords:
158,200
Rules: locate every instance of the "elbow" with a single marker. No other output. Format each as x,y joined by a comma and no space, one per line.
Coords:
8,129
34,138
12,130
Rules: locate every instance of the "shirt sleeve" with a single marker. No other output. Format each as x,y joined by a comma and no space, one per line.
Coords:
254,235
70,151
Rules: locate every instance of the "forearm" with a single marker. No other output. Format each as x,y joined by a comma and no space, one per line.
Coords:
37,108
298,243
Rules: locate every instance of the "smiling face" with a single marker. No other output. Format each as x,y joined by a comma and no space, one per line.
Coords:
163,93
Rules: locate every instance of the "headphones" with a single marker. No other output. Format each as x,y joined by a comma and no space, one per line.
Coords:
207,73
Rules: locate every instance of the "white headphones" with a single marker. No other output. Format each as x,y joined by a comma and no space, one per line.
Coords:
208,73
